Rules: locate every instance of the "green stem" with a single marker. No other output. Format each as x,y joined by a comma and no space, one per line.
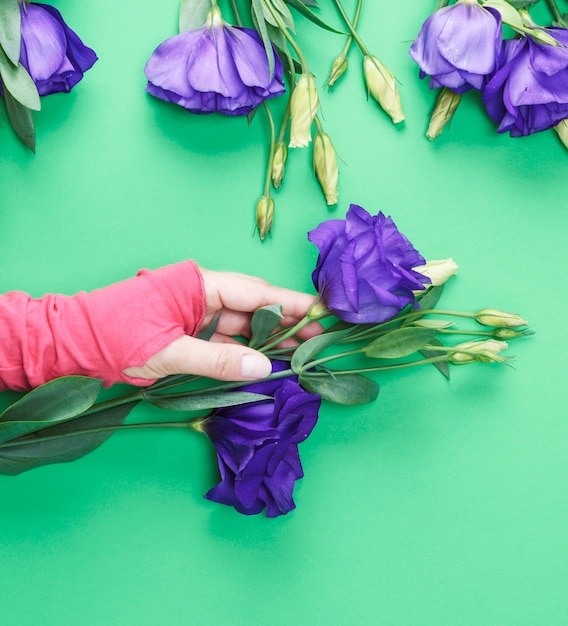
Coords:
553,7
285,333
93,431
382,368
354,22
289,39
268,175
351,28
137,395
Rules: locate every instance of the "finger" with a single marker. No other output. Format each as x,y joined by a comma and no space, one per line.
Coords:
188,355
239,292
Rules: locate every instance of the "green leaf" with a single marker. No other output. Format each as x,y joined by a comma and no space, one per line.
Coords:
399,343
278,6
22,120
509,14
442,366
429,298
56,401
312,347
19,83
64,442
351,389
193,14
258,17
10,29
263,323
302,7
206,400
208,332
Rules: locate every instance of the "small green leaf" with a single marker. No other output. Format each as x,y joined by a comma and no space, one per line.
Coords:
277,6
56,401
442,366
302,7
22,120
10,29
19,83
261,27
64,442
351,389
208,332
193,14
399,343
263,323
509,14
312,347
206,400
429,298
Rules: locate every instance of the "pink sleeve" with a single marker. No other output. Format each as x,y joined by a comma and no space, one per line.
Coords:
99,333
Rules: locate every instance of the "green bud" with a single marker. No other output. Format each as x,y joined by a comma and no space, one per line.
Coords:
446,105
325,166
278,163
486,351
541,36
338,68
381,84
264,215
510,333
562,130
304,104
492,317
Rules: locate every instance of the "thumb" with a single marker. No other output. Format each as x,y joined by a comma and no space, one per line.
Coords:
188,355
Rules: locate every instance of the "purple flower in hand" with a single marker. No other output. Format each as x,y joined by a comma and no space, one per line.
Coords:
215,68
529,91
458,46
257,446
364,269
51,52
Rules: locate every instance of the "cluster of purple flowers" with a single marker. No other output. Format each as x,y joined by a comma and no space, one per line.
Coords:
523,81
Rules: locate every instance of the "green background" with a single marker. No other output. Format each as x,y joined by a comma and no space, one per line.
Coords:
442,502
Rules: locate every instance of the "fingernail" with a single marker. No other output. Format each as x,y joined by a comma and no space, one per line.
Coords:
255,366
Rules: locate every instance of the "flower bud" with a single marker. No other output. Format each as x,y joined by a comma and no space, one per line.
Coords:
491,317
264,215
486,351
304,103
381,85
510,333
325,166
278,163
541,36
338,68
562,130
438,271
446,105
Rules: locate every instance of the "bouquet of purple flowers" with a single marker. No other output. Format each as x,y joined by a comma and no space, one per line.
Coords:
523,79
377,296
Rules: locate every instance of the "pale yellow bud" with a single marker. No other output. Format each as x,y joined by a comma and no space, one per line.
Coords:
382,86
264,215
278,163
486,351
541,36
338,68
438,271
304,104
492,317
325,166
446,105
562,130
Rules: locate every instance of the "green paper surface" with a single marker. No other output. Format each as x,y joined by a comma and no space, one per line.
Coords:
443,502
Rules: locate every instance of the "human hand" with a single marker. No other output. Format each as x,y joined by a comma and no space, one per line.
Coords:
233,297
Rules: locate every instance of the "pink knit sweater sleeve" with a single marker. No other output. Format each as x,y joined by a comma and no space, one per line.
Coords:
99,333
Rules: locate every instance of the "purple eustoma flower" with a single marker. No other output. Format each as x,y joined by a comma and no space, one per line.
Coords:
215,68
51,52
364,269
257,446
458,46
529,92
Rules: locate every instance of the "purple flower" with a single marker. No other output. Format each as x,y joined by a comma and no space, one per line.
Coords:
51,52
215,68
529,91
458,46
364,269
257,446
